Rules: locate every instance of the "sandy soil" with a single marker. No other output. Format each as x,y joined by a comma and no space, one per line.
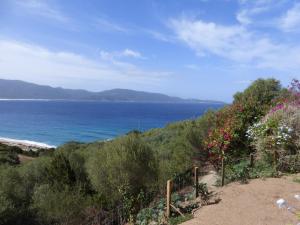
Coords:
251,204
24,144
24,158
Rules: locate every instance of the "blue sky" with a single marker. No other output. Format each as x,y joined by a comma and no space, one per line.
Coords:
206,49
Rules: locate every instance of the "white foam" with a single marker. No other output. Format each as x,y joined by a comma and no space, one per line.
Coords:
26,143
25,99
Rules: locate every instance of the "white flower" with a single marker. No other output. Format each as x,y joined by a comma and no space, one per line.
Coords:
297,197
281,203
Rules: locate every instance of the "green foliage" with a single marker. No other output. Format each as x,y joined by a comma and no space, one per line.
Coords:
262,169
279,132
238,172
124,167
203,191
177,146
155,213
14,198
180,219
9,155
61,205
60,171
79,181
257,98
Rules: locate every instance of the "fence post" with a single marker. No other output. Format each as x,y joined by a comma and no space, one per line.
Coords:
223,171
196,181
275,159
251,160
168,212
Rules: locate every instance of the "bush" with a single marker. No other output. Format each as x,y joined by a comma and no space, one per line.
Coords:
123,168
263,169
62,206
9,155
238,172
14,198
279,131
175,146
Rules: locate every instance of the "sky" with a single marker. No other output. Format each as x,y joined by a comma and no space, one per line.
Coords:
204,49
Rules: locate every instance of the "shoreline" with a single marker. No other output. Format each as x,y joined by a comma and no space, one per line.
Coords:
25,145
106,101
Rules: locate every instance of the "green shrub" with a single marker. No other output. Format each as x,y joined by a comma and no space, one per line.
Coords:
58,206
9,155
279,132
238,172
180,219
125,167
14,198
262,169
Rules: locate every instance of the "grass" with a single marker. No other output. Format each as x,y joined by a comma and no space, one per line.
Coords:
180,219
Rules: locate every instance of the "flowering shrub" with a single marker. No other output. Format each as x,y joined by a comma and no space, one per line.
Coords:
222,137
280,134
227,136
279,130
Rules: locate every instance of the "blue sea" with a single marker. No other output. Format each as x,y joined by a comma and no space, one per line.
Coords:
57,122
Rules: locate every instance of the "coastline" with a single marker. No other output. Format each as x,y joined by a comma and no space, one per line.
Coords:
25,145
116,101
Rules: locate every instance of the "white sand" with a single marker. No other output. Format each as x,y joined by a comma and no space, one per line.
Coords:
25,144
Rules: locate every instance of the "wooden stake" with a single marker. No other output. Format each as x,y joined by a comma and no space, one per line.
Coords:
177,210
251,160
168,212
223,171
275,159
196,181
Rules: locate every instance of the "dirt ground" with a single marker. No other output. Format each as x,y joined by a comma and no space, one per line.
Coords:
251,204
24,158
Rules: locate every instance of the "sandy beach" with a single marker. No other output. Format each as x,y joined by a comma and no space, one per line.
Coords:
25,144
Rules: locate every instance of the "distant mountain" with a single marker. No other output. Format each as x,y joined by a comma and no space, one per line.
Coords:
14,89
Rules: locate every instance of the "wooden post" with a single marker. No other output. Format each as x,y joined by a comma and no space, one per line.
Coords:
196,181
275,159
168,212
223,171
251,160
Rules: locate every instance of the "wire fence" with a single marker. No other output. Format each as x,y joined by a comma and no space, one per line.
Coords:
116,216
183,180
179,182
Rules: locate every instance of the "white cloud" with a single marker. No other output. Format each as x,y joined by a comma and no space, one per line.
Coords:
159,36
37,64
106,25
42,8
131,53
245,15
192,67
291,20
261,13
236,43
121,54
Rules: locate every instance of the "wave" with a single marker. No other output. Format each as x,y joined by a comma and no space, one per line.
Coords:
26,143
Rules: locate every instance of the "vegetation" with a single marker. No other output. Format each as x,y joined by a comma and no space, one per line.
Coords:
82,183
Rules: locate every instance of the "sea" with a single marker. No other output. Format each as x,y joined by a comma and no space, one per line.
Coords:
57,122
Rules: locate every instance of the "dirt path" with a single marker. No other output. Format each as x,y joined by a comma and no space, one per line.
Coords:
24,158
251,204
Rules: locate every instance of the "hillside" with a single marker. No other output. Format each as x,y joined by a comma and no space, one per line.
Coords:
69,185
14,89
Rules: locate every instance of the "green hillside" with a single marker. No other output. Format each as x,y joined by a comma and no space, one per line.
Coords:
80,182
